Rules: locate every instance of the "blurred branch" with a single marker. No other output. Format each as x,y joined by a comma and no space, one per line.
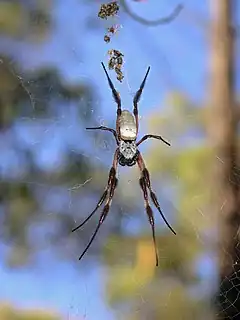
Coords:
163,20
222,129
203,24
10,312
223,133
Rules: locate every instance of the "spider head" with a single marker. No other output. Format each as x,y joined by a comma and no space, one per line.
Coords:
128,153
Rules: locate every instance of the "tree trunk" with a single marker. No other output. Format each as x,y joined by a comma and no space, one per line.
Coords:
223,134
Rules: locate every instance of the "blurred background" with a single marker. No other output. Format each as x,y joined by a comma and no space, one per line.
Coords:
53,172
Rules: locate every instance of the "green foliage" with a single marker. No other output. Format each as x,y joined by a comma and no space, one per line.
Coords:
33,99
27,99
19,20
128,274
7,312
172,302
11,16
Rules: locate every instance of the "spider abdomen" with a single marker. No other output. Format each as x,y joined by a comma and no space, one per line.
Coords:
127,124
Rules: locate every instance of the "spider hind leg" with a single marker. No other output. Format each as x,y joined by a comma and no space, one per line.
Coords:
146,176
154,198
108,195
103,216
100,202
149,211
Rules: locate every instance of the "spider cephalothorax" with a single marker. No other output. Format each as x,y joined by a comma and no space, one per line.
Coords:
127,154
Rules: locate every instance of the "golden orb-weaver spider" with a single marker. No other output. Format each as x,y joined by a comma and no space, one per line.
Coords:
127,154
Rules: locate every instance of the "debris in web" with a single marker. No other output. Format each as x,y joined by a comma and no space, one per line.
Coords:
78,186
111,31
108,10
115,61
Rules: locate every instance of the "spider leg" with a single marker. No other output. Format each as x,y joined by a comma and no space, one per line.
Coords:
137,98
147,136
106,129
116,97
114,91
146,177
104,213
100,202
111,177
149,211
108,194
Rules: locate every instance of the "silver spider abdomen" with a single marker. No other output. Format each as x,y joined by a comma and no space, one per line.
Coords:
128,129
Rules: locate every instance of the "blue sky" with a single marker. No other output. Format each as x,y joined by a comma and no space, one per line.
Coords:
177,54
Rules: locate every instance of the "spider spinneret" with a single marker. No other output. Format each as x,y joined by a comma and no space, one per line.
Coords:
127,154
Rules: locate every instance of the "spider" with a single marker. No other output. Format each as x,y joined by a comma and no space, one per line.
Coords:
127,154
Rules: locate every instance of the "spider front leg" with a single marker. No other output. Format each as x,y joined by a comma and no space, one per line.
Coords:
137,98
108,194
116,97
146,176
106,129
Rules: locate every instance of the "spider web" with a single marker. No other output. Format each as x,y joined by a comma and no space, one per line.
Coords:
70,200
228,299
49,133
55,139
40,173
